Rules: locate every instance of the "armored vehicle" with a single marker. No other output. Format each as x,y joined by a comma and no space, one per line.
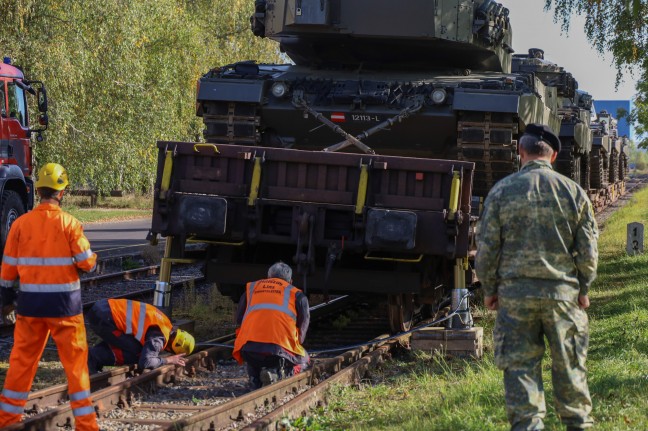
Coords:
608,160
363,162
420,79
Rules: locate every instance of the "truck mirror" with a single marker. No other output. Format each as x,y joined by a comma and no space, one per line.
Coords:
42,99
43,120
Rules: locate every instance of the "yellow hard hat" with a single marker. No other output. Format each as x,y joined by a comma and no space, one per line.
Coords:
53,176
183,342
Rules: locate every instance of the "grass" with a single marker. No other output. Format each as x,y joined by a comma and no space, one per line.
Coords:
212,312
420,391
109,208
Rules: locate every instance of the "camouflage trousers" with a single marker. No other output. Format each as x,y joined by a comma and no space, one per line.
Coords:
520,331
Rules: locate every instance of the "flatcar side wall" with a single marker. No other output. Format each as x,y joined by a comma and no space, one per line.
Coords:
211,192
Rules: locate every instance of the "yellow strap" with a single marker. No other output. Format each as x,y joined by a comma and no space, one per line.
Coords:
362,189
256,179
166,174
454,195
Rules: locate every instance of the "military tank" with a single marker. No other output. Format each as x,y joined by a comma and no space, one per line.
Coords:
421,79
362,162
608,160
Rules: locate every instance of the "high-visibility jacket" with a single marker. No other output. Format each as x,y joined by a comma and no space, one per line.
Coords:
45,248
270,317
135,318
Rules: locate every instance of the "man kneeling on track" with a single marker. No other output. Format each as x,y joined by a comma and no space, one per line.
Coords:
272,318
134,332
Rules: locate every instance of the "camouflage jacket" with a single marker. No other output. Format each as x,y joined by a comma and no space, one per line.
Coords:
537,236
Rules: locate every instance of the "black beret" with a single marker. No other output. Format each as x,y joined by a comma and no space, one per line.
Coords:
543,133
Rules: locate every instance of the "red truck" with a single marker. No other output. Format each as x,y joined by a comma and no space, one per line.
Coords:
16,158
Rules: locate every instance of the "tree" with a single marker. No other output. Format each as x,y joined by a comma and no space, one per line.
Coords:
122,75
619,27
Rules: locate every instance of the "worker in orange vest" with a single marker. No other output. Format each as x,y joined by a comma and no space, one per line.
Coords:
134,332
272,318
43,252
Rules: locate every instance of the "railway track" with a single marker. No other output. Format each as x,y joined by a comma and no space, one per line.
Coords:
211,391
631,186
137,283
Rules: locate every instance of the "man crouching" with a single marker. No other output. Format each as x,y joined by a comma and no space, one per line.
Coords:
272,319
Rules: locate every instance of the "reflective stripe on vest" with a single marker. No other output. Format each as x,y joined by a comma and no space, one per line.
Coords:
45,261
14,410
82,411
83,255
78,396
7,283
49,288
284,308
9,260
15,395
139,332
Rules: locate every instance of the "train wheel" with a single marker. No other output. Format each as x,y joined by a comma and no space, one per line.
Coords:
401,312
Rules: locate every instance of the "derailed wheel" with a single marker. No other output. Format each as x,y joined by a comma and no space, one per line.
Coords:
401,312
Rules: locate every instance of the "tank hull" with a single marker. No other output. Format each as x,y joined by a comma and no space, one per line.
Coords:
416,114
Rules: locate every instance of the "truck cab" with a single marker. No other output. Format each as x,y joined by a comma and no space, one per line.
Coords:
16,158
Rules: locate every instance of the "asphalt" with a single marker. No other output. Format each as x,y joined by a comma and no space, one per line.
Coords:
115,238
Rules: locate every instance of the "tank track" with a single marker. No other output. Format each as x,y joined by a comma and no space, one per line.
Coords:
624,169
231,123
486,138
614,167
599,174
586,166
568,163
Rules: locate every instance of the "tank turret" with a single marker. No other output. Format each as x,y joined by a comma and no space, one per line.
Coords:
473,34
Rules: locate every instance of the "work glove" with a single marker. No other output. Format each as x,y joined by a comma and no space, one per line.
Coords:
9,314
9,297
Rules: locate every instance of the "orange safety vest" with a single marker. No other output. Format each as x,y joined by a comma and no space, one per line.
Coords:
270,317
44,249
135,318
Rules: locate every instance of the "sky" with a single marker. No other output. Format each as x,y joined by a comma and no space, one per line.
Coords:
534,28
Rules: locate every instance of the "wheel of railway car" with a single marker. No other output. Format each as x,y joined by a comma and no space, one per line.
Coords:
12,208
402,310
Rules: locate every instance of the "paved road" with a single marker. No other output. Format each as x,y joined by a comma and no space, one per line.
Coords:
117,237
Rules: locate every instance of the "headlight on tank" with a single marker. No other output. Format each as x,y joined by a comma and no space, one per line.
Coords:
279,89
439,96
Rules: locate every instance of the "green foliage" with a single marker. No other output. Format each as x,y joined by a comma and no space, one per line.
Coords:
128,264
212,312
619,28
121,75
637,156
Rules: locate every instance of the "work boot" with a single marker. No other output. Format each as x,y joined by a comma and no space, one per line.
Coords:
268,376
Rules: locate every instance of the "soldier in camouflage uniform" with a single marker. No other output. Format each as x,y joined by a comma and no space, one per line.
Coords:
536,259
